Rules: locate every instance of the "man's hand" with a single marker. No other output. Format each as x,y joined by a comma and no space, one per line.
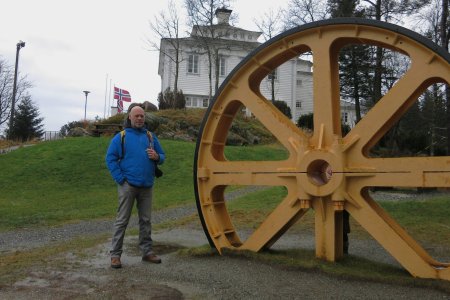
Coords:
152,154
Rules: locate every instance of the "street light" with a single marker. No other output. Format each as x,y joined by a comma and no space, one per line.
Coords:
19,45
85,103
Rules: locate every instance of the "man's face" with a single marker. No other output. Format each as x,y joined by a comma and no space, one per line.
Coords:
137,117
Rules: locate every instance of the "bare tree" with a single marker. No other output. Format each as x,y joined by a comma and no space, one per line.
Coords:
6,89
392,10
269,24
201,16
6,86
300,12
166,26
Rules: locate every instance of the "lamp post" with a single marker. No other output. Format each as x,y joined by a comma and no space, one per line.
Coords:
85,103
19,45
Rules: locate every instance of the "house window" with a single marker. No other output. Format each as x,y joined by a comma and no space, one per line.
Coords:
193,64
205,102
345,117
273,74
299,82
188,101
298,104
222,66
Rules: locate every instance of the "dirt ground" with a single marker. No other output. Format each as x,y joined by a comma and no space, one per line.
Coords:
86,274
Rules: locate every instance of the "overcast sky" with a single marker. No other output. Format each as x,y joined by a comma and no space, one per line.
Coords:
72,46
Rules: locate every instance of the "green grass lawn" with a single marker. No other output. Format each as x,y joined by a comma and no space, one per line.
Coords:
67,180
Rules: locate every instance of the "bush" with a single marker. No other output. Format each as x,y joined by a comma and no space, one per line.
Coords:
283,107
306,121
171,99
67,127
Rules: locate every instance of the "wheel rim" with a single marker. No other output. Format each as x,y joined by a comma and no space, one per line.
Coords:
347,157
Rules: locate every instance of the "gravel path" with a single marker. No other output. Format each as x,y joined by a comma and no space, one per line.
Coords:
88,276
29,238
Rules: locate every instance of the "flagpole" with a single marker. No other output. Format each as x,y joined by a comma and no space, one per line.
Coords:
109,108
113,100
106,92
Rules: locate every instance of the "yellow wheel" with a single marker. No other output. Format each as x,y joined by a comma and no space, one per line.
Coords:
346,160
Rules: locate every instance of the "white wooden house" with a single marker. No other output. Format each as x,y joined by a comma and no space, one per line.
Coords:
293,79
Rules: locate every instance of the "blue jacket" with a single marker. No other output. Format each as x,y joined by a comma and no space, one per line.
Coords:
133,165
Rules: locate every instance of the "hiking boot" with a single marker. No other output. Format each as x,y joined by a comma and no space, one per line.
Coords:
115,263
152,258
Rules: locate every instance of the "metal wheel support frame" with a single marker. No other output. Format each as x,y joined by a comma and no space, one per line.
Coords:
353,171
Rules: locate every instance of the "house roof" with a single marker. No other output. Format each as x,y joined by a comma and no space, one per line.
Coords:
224,31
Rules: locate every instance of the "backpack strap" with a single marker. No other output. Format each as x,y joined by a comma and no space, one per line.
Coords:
150,137
150,140
122,138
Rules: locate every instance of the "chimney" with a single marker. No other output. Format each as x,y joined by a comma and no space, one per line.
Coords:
223,16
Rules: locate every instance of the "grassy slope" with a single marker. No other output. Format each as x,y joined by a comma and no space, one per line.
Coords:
53,182
67,180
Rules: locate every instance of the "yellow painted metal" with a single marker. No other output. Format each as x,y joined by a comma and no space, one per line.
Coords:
326,151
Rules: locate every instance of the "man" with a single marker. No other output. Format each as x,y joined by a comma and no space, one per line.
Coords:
131,159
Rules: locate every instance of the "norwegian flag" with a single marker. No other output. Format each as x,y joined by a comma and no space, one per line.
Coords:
121,95
119,106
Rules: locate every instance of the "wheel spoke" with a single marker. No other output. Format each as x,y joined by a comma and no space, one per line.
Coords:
280,220
327,117
270,173
402,246
432,164
415,172
276,122
390,108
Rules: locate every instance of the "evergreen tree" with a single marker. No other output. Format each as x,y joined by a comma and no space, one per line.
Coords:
355,76
354,60
27,123
434,120
408,136
342,8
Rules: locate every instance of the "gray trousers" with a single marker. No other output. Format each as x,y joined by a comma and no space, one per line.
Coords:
143,197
